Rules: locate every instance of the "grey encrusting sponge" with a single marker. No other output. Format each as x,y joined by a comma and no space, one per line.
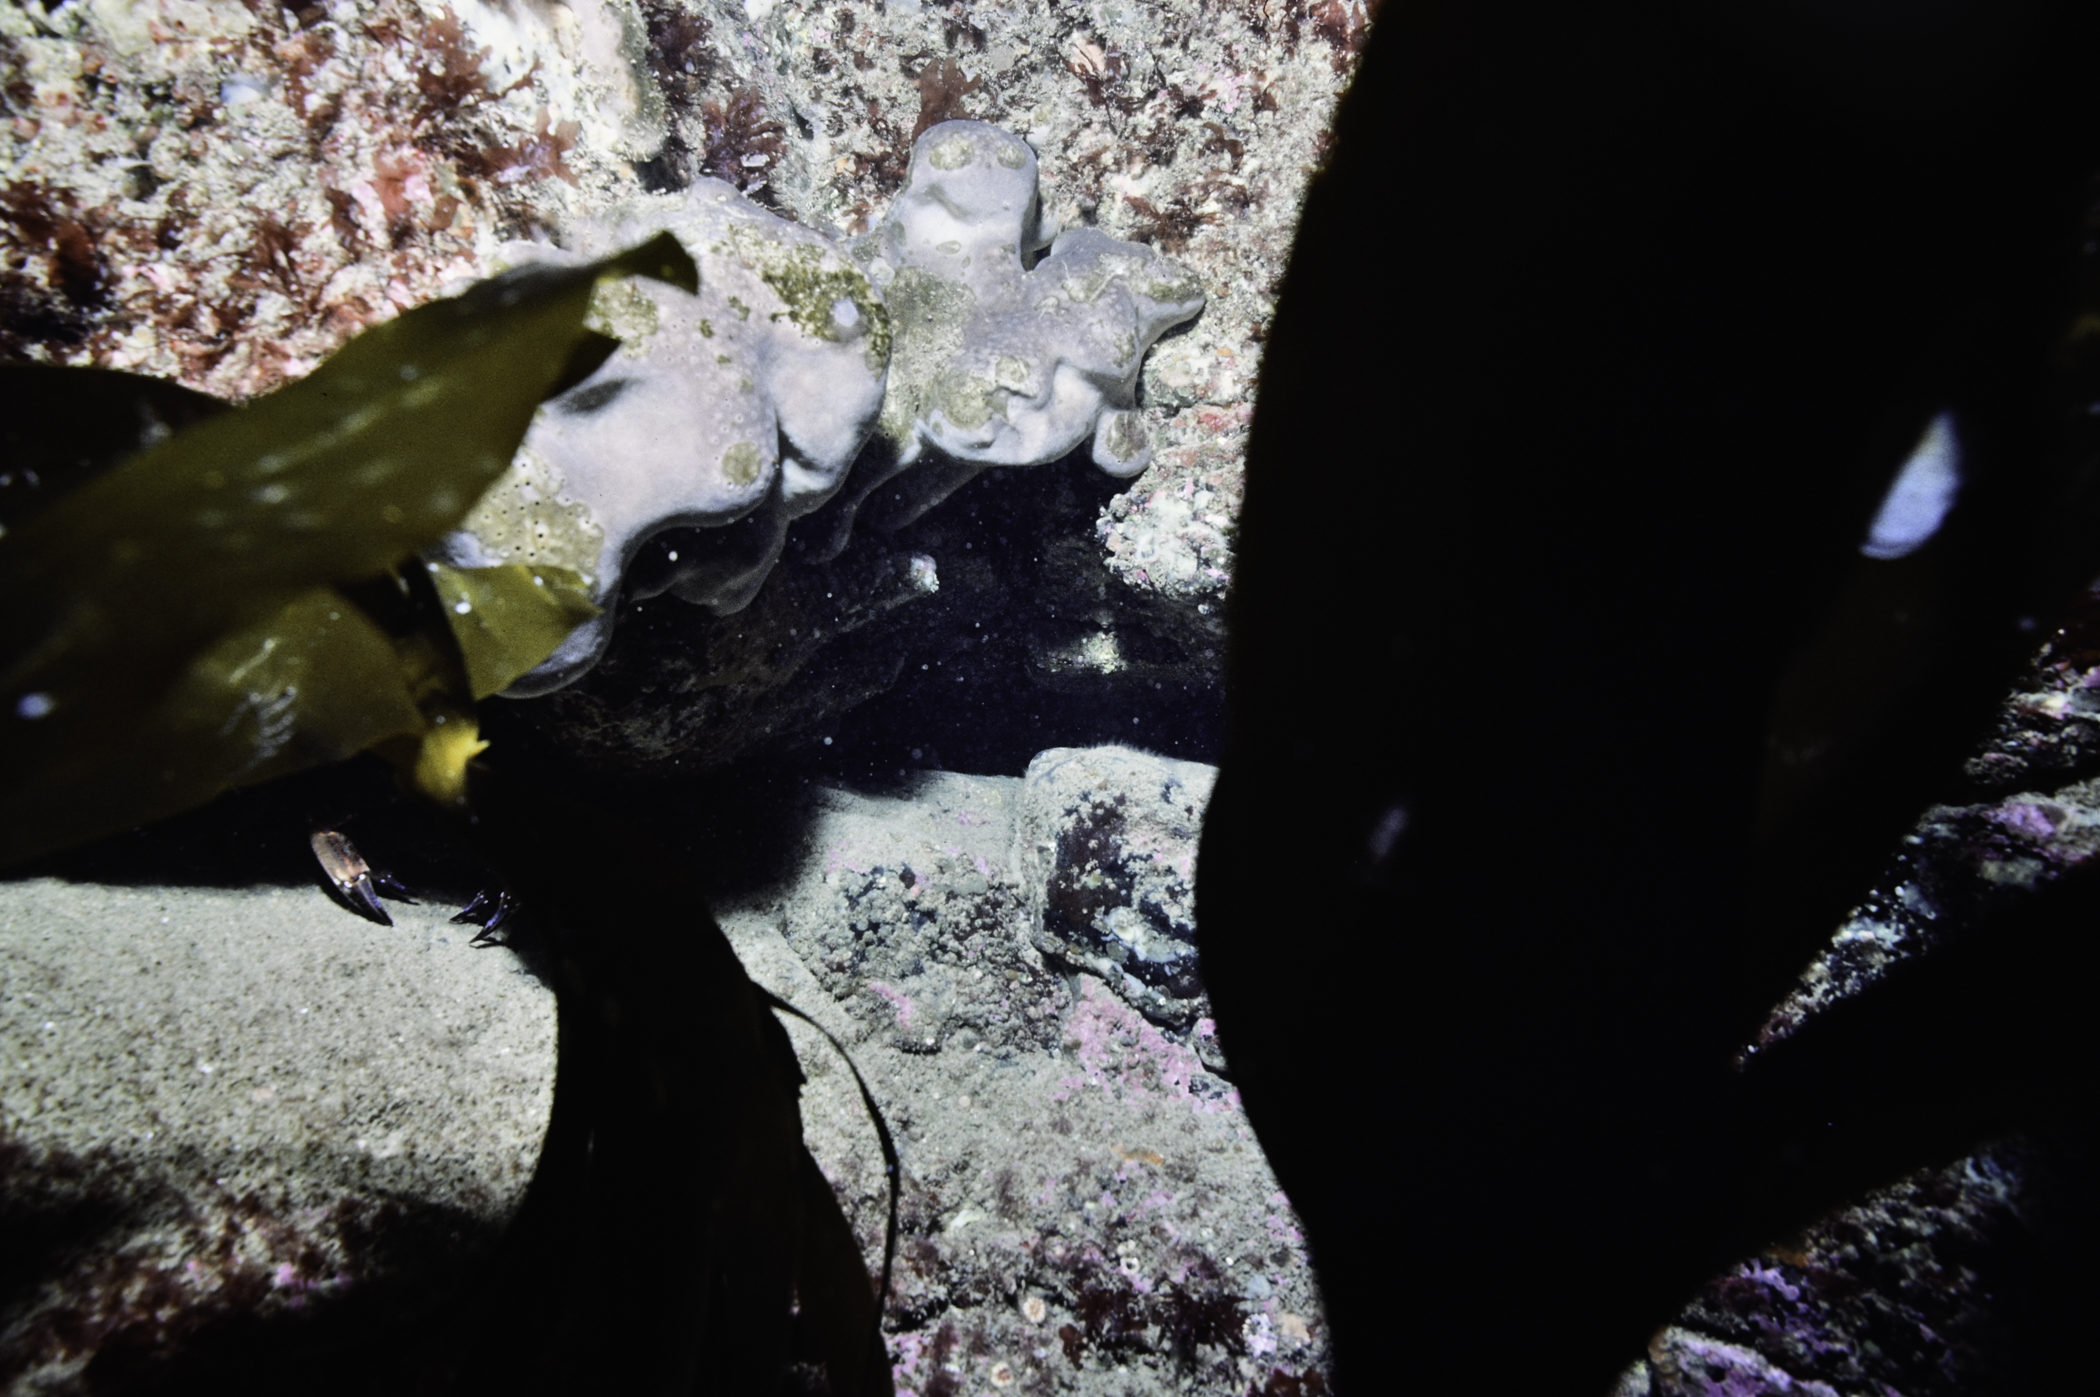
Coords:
948,334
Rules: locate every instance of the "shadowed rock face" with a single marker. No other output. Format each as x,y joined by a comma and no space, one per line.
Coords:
977,636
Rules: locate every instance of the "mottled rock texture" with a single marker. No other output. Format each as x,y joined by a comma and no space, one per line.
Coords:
1108,845
1084,1209
1920,1287
2030,814
1903,1292
223,193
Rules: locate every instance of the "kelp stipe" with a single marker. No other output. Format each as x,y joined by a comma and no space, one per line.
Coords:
677,1237
840,1316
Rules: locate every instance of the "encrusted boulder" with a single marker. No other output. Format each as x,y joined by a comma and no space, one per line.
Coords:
1107,846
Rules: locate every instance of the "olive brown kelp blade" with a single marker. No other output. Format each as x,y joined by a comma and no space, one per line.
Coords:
60,427
665,1237
313,682
117,590
508,618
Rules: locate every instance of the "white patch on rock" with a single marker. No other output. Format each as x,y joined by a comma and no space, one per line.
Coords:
589,57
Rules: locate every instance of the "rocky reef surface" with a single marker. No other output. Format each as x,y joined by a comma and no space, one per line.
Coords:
241,1124
222,193
1923,1286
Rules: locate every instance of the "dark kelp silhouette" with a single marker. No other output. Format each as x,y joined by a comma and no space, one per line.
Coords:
1566,718
677,1236
201,597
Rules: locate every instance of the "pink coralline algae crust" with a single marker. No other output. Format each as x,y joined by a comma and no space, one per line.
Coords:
1130,1060
1083,1208
1280,1224
205,1256
908,1353
1891,1295
256,191
2063,832
2024,819
900,1004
